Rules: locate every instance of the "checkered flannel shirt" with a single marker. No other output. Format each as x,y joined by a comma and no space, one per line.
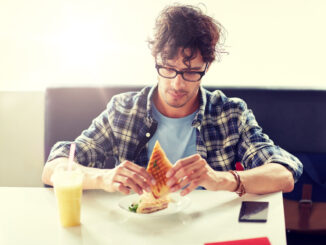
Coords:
227,132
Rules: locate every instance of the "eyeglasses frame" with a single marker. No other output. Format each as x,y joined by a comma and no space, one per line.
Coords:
201,73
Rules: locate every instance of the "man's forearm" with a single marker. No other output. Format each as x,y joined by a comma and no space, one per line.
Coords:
93,177
267,178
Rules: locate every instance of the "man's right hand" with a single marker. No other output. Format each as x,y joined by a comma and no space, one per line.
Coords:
127,176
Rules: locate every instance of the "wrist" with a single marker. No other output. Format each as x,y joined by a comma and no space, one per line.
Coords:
103,180
221,180
239,189
93,180
232,182
93,177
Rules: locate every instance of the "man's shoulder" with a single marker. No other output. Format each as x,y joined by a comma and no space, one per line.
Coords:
218,100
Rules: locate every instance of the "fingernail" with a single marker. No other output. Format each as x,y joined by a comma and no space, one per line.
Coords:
168,174
173,189
169,183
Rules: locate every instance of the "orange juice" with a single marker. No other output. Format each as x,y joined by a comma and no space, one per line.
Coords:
68,191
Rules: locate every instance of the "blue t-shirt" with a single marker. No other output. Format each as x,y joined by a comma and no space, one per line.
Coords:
176,136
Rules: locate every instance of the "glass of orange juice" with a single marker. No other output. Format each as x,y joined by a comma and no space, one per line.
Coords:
68,191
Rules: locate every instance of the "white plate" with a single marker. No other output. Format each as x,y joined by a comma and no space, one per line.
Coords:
178,203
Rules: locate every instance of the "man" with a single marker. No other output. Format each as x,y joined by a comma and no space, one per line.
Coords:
203,133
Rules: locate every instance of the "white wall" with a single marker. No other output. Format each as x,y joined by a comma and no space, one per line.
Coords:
21,138
73,42
78,42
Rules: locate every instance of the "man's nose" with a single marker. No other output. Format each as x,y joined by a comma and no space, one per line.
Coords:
178,82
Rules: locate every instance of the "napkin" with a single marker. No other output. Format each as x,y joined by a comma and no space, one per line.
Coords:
251,241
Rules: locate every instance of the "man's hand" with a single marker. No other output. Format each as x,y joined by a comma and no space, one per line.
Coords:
122,178
127,176
194,171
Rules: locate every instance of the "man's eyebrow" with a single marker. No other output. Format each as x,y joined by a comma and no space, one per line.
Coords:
184,69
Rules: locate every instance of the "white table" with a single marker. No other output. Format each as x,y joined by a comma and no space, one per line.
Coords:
29,216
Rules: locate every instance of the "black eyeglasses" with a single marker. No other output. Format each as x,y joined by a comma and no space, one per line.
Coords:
190,76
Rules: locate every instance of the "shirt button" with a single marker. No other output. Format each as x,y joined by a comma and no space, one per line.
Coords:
148,135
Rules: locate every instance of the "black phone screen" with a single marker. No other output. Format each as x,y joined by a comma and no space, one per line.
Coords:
253,211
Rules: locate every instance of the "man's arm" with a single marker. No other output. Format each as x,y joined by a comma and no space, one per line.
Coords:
195,171
125,177
270,177
93,177
268,167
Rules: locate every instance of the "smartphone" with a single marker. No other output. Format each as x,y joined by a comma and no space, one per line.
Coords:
253,211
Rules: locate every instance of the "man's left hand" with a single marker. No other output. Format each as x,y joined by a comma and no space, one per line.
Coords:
194,171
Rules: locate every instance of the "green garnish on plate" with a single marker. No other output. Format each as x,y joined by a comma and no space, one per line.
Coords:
133,207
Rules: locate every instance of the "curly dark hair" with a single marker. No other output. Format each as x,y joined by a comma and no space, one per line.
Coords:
185,27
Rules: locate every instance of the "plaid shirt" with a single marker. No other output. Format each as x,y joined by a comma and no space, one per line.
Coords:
227,132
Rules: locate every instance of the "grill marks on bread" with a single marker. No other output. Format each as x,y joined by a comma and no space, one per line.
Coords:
158,166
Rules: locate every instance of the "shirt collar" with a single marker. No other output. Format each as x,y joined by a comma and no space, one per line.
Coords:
197,122
199,116
149,103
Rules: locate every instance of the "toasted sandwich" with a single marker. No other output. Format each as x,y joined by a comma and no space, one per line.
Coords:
158,166
149,204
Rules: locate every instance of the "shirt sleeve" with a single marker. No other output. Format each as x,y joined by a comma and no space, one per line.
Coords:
255,148
95,147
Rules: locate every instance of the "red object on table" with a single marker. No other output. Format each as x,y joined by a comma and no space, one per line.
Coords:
251,241
238,166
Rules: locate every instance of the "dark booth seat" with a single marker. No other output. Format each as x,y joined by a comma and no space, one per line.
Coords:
294,119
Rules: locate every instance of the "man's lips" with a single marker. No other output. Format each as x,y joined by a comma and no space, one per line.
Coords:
177,95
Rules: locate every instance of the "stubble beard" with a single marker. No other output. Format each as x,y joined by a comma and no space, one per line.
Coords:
184,99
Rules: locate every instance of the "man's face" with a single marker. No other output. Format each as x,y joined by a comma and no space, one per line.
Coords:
176,94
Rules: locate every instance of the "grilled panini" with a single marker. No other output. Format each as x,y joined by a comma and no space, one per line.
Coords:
158,166
148,204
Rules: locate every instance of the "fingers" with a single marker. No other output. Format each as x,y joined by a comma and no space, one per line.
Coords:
121,188
139,170
189,168
193,185
129,176
182,163
192,178
190,183
187,173
131,179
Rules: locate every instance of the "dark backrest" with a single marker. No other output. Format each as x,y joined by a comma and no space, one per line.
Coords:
68,111
294,119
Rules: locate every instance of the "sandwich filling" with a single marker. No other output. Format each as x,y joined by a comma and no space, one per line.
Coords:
149,204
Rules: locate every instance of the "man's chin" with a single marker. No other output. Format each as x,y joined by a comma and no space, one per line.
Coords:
175,104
